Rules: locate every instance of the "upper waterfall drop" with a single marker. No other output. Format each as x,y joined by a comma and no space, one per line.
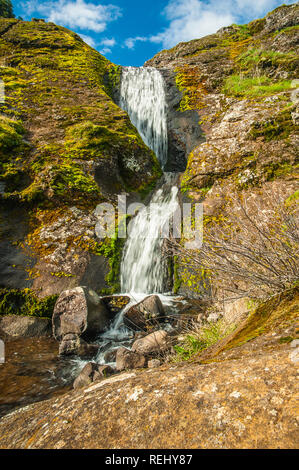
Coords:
142,95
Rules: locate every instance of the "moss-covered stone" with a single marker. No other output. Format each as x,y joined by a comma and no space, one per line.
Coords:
25,302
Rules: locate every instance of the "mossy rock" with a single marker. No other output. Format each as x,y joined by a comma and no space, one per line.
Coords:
25,302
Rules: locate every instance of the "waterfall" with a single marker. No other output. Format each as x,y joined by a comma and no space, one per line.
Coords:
142,95
142,267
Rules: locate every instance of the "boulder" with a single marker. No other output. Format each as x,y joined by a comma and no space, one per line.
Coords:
110,356
79,311
153,363
72,344
126,359
115,303
91,372
26,327
149,311
152,344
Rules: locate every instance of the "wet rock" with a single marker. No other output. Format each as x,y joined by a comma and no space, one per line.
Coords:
72,344
152,344
92,372
110,356
26,327
115,303
79,311
149,311
126,359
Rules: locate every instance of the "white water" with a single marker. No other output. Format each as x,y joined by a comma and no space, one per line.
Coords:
142,267
142,95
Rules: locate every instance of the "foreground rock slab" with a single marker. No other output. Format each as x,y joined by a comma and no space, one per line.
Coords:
244,400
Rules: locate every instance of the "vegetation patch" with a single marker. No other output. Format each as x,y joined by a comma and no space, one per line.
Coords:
254,87
25,302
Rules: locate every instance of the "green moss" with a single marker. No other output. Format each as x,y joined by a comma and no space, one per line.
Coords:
259,57
25,302
176,275
279,311
254,87
11,135
70,180
274,128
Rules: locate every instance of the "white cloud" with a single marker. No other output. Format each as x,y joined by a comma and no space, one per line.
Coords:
191,19
130,42
76,14
108,42
105,50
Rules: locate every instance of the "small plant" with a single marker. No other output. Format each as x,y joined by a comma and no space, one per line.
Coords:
199,338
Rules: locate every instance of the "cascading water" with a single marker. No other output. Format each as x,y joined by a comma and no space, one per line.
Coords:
142,95
142,268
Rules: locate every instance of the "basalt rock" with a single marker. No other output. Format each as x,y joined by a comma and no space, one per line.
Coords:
115,303
126,359
152,344
92,372
79,311
149,311
72,344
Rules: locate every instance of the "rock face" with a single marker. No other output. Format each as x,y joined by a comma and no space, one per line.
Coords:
26,327
126,359
149,311
154,343
79,311
73,153
184,132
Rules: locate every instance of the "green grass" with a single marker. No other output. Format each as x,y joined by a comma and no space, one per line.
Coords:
254,87
199,338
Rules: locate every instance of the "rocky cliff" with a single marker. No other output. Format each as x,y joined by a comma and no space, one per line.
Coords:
241,83
65,147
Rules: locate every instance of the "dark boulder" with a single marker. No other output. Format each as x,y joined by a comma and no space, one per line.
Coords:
147,312
79,311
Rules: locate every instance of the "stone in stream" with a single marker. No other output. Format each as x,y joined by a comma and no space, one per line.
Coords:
72,344
115,303
92,372
153,343
79,311
126,359
149,311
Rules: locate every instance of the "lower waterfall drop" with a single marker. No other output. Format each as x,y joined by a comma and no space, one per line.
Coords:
143,267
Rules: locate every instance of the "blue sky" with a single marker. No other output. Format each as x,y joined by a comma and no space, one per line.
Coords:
128,32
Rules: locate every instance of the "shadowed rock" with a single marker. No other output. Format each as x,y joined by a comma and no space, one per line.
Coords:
79,311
